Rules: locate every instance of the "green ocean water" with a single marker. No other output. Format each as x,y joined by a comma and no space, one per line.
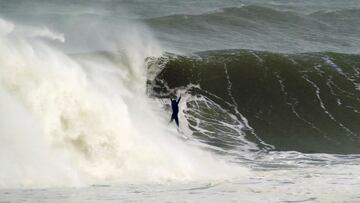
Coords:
305,102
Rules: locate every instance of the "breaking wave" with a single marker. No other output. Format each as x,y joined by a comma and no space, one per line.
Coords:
295,102
73,119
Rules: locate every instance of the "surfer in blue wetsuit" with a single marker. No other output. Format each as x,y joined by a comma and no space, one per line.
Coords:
175,110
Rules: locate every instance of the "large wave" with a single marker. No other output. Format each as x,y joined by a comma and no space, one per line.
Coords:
297,102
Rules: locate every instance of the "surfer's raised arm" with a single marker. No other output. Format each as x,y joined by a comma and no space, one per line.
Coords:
178,100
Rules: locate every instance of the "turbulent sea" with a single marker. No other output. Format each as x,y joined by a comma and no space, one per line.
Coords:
270,108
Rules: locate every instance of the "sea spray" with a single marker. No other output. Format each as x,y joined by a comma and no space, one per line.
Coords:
90,120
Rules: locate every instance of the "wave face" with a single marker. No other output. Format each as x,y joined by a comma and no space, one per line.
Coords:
303,102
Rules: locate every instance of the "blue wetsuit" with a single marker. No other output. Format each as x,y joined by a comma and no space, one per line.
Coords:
175,110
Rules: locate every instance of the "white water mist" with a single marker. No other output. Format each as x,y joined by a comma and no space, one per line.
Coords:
84,118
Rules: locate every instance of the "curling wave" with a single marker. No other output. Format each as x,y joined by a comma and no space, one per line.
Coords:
299,102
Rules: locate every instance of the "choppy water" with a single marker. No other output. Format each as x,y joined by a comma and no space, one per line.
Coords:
269,113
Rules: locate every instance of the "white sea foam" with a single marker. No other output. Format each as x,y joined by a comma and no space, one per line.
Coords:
87,120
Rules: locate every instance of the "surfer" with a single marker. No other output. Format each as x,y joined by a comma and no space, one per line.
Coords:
175,110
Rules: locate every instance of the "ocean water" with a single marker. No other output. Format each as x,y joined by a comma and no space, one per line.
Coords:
270,107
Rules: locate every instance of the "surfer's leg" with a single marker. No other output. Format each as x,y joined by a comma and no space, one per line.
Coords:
177,120
172,118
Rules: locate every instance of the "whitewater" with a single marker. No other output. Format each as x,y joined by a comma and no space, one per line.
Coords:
82,120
